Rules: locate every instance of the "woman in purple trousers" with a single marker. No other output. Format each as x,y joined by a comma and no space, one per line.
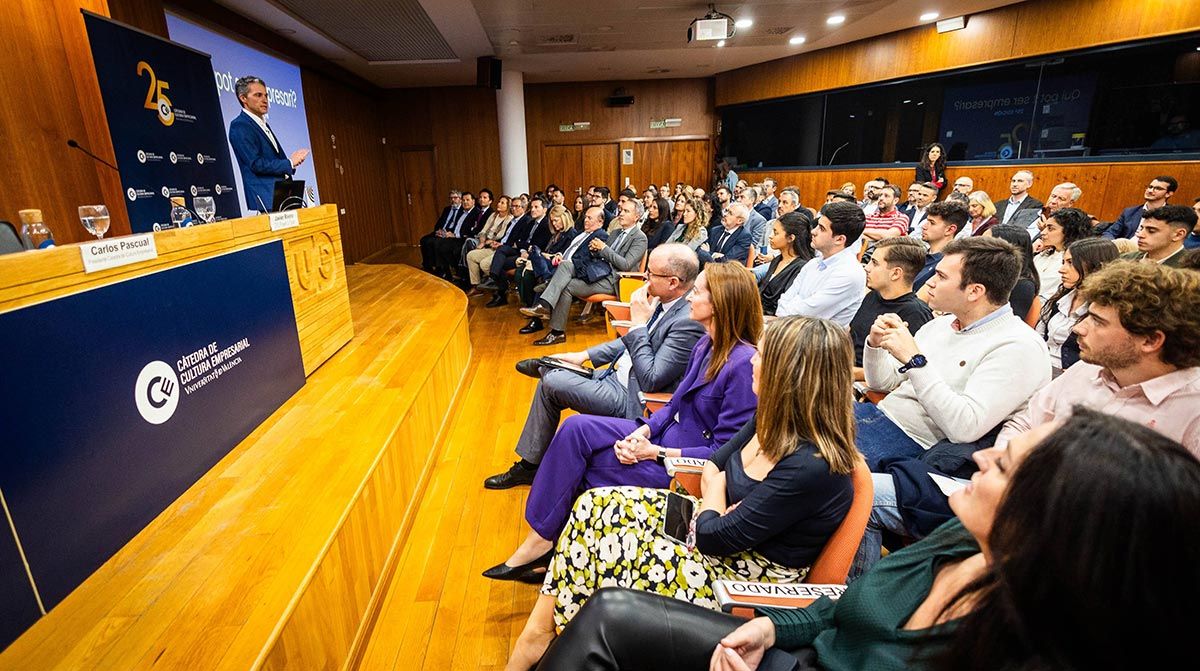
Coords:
713,400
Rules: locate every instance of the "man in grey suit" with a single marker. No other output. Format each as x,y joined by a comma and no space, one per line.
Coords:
755,223
623,253
651,357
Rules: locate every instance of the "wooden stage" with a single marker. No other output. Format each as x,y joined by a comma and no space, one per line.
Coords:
281,556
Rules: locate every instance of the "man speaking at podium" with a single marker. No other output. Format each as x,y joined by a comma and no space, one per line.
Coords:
259,156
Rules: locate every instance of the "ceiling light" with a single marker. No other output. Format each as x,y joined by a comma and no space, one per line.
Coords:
907,102
836,19
921,103
604,29
743,23
799,39
721,43
929,16
851,116
952,24
513,43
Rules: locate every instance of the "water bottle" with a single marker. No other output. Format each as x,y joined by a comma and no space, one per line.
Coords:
34,231
180,216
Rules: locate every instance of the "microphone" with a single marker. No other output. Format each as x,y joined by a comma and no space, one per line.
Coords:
835,153
75,145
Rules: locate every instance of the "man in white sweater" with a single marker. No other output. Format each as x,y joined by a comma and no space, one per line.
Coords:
962,374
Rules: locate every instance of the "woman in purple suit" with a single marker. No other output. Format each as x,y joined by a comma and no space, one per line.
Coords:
713,400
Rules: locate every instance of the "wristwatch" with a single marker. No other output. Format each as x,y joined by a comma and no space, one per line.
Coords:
918,361
662,456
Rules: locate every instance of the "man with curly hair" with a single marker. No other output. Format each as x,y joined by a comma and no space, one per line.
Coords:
1140,350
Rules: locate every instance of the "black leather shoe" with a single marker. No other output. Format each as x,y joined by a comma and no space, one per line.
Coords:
530,367
534,576
497,301
551,338
533,326
515,476
505,572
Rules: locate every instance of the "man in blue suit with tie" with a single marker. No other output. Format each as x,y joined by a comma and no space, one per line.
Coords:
259,154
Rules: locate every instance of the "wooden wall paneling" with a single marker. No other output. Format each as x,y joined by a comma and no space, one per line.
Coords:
1107,188
1014,31
49,46
349,158
465,134
601,165
145,15
651,163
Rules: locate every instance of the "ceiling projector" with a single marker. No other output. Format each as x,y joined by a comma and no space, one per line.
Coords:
712,26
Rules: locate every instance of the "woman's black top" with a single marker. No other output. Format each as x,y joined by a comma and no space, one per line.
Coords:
928,175
771,287
787,517
1021,298
657,236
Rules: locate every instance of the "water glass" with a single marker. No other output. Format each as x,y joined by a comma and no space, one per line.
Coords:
205,208
95,219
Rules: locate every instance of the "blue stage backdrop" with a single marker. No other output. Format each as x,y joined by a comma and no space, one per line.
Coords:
232,59
115,400
165,122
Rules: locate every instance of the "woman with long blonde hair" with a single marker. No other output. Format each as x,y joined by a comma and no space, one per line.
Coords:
772,495
692,229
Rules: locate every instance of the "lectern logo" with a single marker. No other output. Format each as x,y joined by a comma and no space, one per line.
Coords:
131,194
156,98
156,392
141,156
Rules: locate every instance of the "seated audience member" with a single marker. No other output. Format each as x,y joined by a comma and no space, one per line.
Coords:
838,195
964,185
722,197
478,251
760,205
1161,234
831,287
711,403
770,200
1158,192
925,195
657,225
792,239
1139,345
755,223
1028,283
955,379
910,203
932,167
871,189
1193,241
1061,196
886,221
982,211
1066,307
692,229
1062,229
956,197
536,264
730,241
445,223
595,271
528,231
1019,199
943,221
431,249
1016,582
772,495
890,274
849,189
650,357
449,247
601,199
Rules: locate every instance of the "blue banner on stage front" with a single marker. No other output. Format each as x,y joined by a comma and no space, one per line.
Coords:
165,121
117,399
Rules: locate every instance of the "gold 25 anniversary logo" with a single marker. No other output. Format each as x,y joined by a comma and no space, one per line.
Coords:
156,97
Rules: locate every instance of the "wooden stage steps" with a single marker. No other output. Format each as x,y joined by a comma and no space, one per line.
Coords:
276,557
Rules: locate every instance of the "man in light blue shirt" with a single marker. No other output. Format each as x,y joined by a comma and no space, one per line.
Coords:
833,284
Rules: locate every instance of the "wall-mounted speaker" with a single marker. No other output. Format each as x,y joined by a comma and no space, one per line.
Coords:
487,72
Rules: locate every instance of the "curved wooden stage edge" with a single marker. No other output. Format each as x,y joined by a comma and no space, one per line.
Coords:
279,555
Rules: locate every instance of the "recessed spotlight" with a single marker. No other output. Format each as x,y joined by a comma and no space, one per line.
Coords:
921,103
799,39
721,43
907,102
743,23
851,116
836,19
513,43
929,16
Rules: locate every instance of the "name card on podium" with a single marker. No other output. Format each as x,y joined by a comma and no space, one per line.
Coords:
105,254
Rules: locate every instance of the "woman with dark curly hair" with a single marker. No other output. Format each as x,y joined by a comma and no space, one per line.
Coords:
932,167
1062,230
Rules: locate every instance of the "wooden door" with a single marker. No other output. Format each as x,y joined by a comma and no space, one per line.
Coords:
601,166
671,161
418,203
563,165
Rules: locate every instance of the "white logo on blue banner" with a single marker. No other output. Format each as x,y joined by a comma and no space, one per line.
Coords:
156,392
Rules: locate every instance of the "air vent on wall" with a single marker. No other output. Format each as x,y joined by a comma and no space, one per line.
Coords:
778,30
557,40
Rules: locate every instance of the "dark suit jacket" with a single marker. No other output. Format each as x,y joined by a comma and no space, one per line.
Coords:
587,264
518,233
704,414
1126,224
735,249
540,235
474,222
1030,203
445,217
658,358
260,163
765,210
